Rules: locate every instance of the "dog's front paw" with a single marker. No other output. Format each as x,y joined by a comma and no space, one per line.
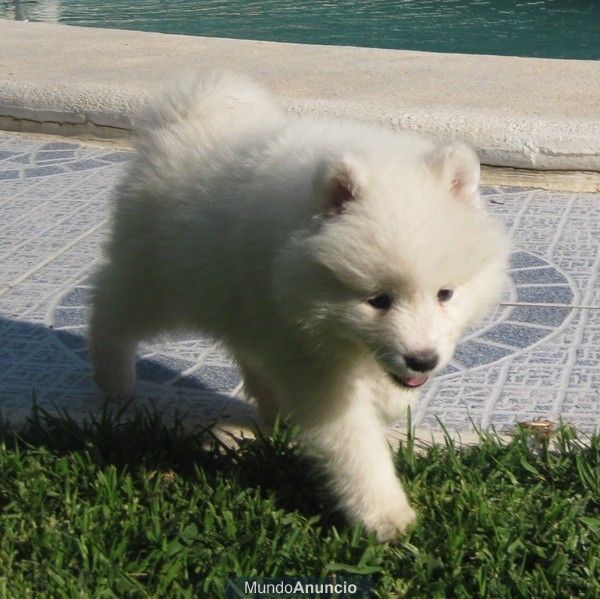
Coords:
391,522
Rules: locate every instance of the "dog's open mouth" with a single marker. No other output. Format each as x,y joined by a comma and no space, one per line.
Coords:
410,382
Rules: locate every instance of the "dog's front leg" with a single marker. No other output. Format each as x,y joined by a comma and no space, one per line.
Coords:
350,445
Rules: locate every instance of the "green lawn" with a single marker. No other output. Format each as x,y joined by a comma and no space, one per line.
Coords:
127,506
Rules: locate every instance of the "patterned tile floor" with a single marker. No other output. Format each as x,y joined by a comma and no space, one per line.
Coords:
537,356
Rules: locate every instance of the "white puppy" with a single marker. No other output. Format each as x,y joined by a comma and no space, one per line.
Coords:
338,261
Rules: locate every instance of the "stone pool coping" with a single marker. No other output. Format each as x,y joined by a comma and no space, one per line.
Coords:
519,112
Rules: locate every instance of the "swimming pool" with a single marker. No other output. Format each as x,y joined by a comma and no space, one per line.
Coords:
542,28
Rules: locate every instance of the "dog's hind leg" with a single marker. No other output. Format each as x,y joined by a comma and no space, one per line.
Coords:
113,359
114,333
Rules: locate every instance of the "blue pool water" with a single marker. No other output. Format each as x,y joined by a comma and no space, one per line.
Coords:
543,28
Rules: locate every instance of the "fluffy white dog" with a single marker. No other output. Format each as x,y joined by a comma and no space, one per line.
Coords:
338,261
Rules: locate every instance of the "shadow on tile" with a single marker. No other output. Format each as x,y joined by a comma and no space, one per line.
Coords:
53,366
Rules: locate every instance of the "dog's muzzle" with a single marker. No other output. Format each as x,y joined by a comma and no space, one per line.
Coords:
419,363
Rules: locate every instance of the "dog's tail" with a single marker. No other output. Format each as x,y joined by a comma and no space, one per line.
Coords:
215,102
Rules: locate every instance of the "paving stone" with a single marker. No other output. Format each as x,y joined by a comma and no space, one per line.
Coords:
539,360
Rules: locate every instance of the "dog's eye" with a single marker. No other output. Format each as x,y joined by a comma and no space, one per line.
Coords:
381,302
443,295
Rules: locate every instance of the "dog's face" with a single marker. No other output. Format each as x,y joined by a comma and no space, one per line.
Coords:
403,259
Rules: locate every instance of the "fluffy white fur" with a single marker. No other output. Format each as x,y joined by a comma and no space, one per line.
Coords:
272,232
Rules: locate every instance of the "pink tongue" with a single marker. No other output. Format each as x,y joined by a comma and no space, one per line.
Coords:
415,381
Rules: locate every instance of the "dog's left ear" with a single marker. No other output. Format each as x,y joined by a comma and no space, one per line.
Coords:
337,183
457,165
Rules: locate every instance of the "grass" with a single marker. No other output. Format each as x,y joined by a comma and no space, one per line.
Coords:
127,506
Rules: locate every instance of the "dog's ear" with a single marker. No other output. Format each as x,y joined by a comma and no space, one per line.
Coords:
338,182
457,165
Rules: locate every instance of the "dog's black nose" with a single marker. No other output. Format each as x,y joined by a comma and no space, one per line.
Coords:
422,361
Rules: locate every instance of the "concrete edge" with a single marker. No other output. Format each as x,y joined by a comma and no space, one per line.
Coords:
569,181
522,113
118,121
64,127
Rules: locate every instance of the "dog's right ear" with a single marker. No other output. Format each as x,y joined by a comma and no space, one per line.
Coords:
337,183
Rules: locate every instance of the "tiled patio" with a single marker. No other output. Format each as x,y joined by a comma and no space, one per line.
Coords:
537,356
